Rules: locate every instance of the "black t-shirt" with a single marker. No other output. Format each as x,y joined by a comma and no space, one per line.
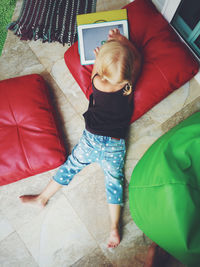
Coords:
109,113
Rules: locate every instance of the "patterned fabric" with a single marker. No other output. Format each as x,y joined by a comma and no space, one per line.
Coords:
50,20
106,151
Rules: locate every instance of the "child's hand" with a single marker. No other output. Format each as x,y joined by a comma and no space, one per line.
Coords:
96,51
115,35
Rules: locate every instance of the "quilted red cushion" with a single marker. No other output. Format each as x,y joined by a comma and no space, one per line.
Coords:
30,142
167,62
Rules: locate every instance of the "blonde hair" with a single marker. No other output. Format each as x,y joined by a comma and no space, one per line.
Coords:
115,63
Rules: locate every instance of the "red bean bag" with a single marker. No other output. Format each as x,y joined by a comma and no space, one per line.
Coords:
167,62
30,142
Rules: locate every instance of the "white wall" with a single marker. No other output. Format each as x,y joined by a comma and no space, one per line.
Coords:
159,4
168,8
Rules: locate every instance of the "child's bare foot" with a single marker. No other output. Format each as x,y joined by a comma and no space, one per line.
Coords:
33,199
114,239
156,256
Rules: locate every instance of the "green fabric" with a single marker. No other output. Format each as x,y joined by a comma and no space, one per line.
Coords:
164,192
6,11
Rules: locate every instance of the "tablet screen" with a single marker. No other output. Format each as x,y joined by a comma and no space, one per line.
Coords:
93,37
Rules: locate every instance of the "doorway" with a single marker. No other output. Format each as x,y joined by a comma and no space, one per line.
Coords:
187,22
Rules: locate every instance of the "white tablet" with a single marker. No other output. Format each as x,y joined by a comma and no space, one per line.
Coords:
92,35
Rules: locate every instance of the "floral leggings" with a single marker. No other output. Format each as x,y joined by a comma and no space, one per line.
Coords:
108,152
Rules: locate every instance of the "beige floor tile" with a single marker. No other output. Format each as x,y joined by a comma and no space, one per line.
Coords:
136,150
94,258
17,10
74,129
14,253
22,60
5,227
142,127
30,233
48,53
125,211
183,114
194,91
100,6
69,86
88,199
65,109
63,238
170,105
109,5
11,207
129,166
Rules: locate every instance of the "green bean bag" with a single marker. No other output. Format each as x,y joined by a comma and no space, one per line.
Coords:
164,192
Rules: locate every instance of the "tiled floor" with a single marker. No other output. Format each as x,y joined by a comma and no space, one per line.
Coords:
72,229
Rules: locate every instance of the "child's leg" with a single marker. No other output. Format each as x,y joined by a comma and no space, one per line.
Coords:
112,164
114,238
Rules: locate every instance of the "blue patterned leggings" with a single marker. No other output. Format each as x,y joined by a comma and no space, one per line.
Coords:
108,152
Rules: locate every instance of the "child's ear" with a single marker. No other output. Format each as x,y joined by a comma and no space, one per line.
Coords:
128,89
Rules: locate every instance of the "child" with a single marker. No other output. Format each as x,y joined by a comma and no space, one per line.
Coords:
107,119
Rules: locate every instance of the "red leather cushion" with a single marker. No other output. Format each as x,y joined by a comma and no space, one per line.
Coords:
30,142
167,62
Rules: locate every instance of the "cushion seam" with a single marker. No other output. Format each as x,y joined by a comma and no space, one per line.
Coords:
18,132
161,72
153,186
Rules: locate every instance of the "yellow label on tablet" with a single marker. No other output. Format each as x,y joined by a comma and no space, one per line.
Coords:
103,16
